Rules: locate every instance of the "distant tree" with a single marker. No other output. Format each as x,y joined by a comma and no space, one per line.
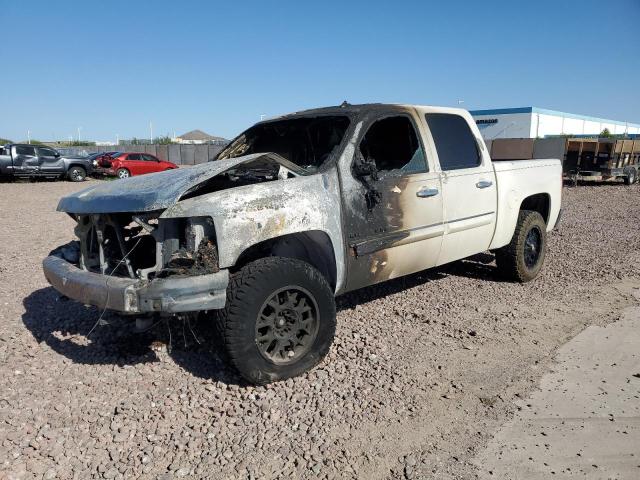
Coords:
605,133
164,140
4,141
81,143
33,142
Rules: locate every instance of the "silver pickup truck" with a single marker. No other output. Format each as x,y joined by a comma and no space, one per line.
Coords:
25,160
297,210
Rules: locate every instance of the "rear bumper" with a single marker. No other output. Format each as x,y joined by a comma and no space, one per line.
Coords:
127,295
103,171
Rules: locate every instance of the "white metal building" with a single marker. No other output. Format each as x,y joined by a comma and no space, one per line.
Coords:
533,122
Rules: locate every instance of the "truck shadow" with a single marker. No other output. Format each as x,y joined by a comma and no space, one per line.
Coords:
63,325
478,267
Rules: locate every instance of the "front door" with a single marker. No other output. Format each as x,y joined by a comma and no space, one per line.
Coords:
151,163
393,216
135,164
50,161
468,187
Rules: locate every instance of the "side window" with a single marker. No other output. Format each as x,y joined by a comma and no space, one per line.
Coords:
25,150
46,152
133,156
455,143
149,158
392,144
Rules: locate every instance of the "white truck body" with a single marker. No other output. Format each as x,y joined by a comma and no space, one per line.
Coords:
313,204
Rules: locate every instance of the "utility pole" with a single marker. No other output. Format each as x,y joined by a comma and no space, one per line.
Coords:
117,139
29,136
151,130
79,128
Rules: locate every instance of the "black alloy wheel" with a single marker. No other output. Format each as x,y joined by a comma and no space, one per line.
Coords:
287,325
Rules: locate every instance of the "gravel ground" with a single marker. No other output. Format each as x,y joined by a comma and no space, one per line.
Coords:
423,370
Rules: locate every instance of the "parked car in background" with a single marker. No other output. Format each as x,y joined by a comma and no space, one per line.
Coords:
25,160
97,158
127,164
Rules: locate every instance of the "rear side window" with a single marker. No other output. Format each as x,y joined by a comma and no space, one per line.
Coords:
455,143
24,150
392,144
149,158
46,152
134,156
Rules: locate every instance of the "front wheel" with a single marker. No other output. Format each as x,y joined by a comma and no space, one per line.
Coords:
123,173
77,174
279,321
522,259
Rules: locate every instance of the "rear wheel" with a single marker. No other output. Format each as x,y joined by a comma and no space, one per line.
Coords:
123,173
77,174
279,321
522,259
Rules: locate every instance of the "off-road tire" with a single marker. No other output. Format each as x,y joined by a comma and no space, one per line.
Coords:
511,258
123,173
247,293
77,174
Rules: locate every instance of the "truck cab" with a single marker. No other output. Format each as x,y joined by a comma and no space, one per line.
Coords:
26,160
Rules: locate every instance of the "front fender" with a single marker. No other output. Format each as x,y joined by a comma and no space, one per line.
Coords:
248,215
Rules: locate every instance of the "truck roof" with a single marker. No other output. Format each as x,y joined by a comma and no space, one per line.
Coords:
346,107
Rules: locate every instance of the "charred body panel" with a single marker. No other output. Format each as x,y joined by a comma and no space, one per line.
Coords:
392,231
251,214
161,190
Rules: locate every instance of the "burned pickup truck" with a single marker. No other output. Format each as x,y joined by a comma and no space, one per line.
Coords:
297,210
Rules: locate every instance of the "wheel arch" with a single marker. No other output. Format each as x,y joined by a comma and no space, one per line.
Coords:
82,166
539,202
313,246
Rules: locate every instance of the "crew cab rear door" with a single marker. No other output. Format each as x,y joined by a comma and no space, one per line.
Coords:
393,220
25,159
468,186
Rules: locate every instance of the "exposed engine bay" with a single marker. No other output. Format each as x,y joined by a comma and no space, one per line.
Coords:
143,246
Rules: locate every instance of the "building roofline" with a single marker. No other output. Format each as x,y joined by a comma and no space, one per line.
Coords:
544,111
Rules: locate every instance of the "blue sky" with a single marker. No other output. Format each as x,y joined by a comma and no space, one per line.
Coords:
111,67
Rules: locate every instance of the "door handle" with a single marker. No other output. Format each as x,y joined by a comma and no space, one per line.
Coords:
427,192
484,183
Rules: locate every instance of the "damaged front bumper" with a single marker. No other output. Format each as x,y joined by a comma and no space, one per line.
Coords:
175,294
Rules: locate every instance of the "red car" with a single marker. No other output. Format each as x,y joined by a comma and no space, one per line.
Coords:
127,164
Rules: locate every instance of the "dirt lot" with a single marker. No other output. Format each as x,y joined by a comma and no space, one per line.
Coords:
423,370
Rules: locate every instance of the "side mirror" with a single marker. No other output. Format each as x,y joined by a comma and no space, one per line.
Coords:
57,154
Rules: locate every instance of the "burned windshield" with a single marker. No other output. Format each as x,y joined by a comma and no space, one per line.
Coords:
306,141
